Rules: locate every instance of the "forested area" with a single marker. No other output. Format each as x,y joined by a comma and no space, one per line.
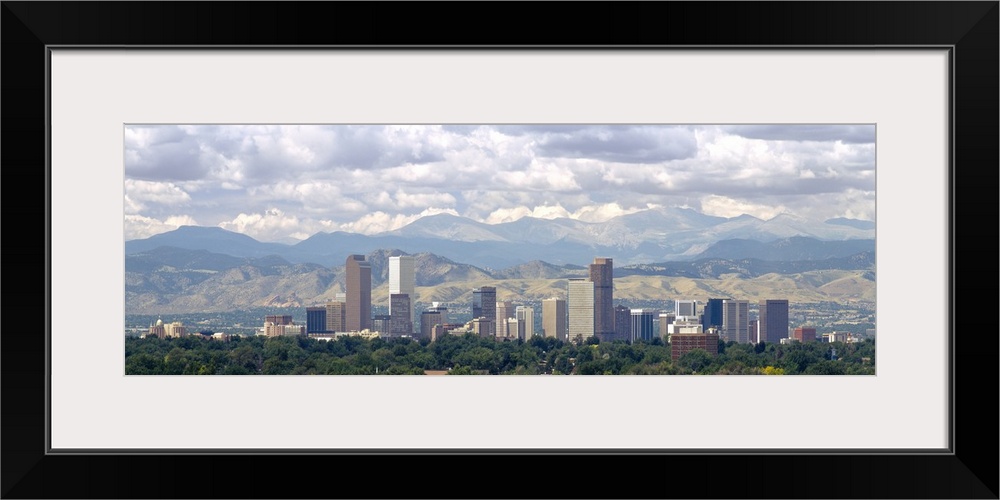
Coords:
469,355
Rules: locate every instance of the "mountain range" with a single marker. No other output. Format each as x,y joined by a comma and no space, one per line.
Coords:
170,279
654,235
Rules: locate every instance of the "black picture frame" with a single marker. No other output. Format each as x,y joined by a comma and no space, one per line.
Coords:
969,28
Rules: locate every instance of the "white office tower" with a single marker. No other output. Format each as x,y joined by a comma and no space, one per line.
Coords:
686,308
403,279
581,309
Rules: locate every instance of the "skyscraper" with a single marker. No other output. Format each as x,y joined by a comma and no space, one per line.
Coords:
435,315
623,323
712,317
602,274
642,324
581,309
315,319
509,328
399,315
773,320
666,319
526,321
736,320
505,310
484,304
359,293
686,308
402,279
554,318
336,316
381,323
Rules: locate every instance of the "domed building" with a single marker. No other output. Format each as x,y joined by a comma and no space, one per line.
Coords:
156,330
164,330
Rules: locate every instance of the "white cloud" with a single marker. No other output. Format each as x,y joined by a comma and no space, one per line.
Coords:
722,206
180,220
589,213
423,200
139,226
164,193
379,222
271,225
502,215
132,206
601,213
323,175
549,212
423,174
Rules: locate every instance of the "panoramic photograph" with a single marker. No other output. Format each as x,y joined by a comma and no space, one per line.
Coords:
500,249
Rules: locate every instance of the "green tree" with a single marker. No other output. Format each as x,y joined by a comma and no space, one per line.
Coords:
144,364
695,360
825,367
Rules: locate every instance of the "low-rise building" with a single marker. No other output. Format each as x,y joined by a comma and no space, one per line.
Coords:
683,343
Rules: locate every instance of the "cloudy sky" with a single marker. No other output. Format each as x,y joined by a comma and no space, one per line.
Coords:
287,182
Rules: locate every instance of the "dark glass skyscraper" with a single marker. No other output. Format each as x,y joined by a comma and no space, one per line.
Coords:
399,315
315,319
642,324
484,303
602,274
623,323
712,316
773,320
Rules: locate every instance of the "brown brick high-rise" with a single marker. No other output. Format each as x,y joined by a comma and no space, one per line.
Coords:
602,274
359,293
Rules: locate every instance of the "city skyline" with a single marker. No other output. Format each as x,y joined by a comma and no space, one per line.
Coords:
287,182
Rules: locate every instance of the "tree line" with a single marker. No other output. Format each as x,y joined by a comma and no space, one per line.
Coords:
471,355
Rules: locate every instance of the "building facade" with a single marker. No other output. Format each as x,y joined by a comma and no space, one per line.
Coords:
316,319
278,319
804,334
736,320
509,328
484,304
336,316
381,323
602,274
642,325
157,330
773,320
554,317
623,323
435,315
403,279
683,343
277,326
399,315
484,327
666,319
505,310
526,321
359,293
686,308
581,309
712,315
683,325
